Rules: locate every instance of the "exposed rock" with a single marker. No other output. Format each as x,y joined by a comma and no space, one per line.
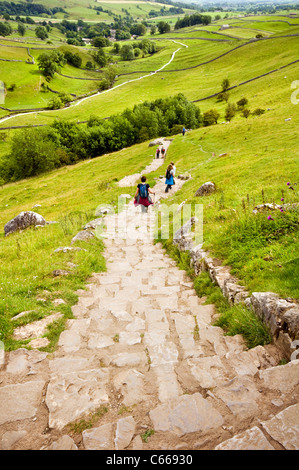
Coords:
64,443
10,438
186,414
206,188
60,272
35,329
98,438
20,401
65,249
283,378
72,395
22,221
125,430
84,236
155,142
182,237
93,223
252,439
284,427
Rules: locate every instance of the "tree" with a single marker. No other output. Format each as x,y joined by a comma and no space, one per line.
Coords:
49,62
223,96
242,103
230,111
138,29
33,151
127,52
89,65
116,47
21,29
5,29
153,30
100,57
100,41
245,113
41,32
225,84
210,117
163,27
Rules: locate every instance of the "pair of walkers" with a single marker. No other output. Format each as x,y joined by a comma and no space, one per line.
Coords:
170,173
142,196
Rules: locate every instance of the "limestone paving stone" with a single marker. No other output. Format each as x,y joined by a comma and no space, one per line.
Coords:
20,401
125,430
240,396
100,438
252,439
70,396
283,378
284,427
131,385
186,414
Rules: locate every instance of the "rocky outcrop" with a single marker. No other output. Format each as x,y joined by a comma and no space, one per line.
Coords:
22,221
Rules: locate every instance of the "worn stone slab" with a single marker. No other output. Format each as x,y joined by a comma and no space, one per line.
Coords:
64,443
186,414
129,359
166,353
129,337
100,438
72,395
125,430
168,386
70,339
284,427
283,378
99,341
130,383
10,438
240,396
252,439
67,364
208,371
20,401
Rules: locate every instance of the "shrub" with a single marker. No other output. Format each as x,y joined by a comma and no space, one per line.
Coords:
230,111
210,117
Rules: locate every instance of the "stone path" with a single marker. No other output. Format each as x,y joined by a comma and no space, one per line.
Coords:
143,364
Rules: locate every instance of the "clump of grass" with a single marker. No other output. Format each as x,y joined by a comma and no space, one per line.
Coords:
147,434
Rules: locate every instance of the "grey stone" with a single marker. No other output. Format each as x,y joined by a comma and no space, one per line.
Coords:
252,439
284,427
22,221
64,443
240,395
206,188
72,395
10,438
125,430
99,438
186,414
283,378
20,401
84,235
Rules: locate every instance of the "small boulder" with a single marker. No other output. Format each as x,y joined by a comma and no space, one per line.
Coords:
23,220
206,188
84,236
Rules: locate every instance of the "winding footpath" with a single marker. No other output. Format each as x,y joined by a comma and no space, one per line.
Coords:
143,364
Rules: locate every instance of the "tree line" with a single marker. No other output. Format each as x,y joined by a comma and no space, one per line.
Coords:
37,150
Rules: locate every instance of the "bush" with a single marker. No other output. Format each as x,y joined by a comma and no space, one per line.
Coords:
33,151
55,103
258,111
230,111
210,117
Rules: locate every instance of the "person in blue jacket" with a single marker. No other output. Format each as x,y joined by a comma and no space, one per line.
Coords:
169,178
